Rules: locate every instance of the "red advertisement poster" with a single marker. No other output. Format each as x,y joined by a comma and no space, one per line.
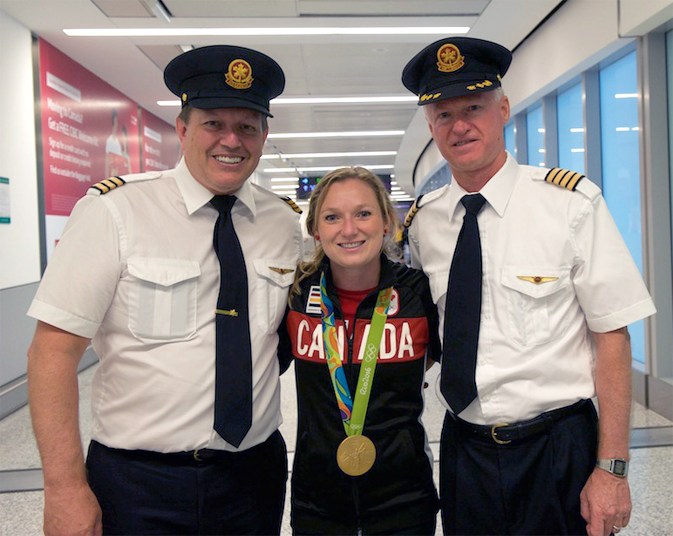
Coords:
160,143
89,130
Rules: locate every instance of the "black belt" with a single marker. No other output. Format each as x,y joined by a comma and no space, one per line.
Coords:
504,433
191,456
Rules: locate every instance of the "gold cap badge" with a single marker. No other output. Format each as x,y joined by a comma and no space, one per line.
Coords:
449,58
239,74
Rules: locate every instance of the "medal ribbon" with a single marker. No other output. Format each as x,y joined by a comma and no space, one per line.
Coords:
353,412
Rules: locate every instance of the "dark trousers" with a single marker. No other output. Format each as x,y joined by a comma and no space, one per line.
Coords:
143,492
528,486
424,527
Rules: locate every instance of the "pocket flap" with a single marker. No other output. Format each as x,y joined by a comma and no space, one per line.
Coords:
164,272
536,281
280,272
439,285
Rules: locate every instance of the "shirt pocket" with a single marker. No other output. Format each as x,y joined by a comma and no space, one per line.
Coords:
163,298
439,284
537,302
273,281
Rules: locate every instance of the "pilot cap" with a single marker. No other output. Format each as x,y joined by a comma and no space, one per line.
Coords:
456,66
224,76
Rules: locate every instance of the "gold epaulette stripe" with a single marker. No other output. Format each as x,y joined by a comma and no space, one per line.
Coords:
292,204
412,212
108,184
564,178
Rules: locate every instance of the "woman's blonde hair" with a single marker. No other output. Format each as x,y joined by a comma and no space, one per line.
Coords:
316,202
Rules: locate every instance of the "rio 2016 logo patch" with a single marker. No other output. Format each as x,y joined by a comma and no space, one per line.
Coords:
394,306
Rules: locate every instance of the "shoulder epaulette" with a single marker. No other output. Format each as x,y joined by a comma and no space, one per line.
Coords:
292,204
105,186
412,211
564,178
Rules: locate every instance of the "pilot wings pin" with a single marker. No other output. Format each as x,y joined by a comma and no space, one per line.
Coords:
281,271
537,279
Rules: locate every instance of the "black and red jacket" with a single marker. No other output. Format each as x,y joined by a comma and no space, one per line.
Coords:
398,491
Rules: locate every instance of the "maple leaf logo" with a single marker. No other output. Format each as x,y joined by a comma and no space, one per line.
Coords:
449,58
239,74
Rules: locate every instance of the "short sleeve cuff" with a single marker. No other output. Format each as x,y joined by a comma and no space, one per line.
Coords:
63,320
622,318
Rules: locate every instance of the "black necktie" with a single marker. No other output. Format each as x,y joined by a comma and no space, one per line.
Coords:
233,371
462,312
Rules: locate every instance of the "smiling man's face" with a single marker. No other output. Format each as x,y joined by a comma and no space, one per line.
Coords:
222,147
468,131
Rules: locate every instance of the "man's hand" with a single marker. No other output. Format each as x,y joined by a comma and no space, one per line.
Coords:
71,511
605,503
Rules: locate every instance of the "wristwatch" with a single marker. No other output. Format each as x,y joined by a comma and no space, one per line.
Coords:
615,466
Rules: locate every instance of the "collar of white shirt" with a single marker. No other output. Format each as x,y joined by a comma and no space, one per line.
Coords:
497,191
196,195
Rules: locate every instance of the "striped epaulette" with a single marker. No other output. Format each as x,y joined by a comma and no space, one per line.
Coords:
106,186
103,187
291,203
564,178
412,211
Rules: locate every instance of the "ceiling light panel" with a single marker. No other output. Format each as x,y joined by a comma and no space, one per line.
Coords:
266,31
333,145
330,118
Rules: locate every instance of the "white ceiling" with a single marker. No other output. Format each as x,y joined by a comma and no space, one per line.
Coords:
314,66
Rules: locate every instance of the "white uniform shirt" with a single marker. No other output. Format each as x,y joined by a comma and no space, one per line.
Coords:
535,349
135,270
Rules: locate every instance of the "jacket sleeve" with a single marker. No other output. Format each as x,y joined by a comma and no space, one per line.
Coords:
434,344
285,356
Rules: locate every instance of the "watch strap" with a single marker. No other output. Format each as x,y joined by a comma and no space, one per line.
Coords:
615,466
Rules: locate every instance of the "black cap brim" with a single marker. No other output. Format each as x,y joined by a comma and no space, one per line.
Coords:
458,89
214,103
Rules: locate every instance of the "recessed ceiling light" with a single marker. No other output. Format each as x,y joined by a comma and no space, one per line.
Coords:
229,32
351,134
284,101
345,100
325,168
328,155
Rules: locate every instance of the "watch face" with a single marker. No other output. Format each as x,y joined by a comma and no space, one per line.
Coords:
619,467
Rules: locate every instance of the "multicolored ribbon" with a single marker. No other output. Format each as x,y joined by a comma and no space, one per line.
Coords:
353,412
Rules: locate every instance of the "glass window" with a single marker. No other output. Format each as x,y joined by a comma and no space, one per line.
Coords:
621,163
510,133
438,179
535,133
570,129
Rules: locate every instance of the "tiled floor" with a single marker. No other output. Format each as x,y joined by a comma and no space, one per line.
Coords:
651,473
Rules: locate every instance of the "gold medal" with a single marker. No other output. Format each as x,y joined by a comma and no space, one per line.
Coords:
356,455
